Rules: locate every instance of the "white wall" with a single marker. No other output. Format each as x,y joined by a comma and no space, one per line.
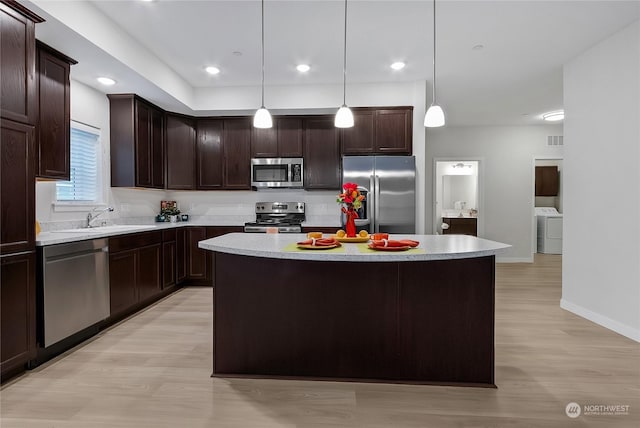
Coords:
508,193
601,250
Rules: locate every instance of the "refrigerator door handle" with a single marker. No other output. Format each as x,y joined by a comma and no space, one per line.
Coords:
372,204
376,207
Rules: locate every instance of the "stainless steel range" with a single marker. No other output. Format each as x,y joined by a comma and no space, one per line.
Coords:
281,217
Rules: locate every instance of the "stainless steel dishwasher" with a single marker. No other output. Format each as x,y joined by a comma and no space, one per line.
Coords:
75,288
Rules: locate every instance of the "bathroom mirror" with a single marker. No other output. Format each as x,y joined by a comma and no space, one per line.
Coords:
459,192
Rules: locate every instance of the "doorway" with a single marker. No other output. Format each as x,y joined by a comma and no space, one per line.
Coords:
547,216
457,193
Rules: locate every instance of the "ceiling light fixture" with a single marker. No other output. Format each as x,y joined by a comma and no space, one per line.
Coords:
435,116
303,68
262,118
344,117
553,116
398,65
212,70
106,81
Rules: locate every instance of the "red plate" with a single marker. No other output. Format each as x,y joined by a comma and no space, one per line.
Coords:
317,247
405,248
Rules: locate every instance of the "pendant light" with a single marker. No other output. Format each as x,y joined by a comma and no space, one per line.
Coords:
435,116
262,118
344,117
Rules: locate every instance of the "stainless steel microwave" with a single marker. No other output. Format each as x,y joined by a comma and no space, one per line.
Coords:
277,172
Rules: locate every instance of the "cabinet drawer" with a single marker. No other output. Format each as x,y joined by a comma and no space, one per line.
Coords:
133,241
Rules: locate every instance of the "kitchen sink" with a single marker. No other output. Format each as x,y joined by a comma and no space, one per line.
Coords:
106,229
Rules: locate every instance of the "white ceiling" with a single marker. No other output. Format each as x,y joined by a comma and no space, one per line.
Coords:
517,73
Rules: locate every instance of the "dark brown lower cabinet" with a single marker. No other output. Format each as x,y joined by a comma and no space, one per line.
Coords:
199,261
149,275
169,262
181,255
461,226
17,312
122,280
197,258
169,258
135,265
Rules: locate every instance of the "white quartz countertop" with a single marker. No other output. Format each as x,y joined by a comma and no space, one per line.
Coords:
436,247
44,239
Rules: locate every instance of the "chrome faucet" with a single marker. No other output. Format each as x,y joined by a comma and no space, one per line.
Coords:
91,217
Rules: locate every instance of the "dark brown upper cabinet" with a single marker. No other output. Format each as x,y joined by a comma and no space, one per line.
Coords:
17,187
359,140
18,93
209,154
394,130
379,130
290,134
54,113
283,140
547,181
264,142
137,142
322,169
236,149
180,145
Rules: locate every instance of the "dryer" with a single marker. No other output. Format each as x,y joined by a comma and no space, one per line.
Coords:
549,230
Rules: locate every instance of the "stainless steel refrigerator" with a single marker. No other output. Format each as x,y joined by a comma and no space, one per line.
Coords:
389,184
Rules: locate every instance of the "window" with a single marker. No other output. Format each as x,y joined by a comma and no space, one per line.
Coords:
84,183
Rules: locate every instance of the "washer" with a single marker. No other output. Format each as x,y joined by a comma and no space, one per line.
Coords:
549,225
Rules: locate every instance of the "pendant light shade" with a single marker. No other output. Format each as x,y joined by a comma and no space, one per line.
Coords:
435,115
262,118
344,117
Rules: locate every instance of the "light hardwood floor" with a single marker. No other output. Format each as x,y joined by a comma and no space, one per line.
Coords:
153,370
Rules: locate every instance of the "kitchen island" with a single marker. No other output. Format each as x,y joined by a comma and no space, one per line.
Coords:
421,316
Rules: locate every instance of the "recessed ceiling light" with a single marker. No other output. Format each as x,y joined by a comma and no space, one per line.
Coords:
303,68
212,70
553,116
236,53
478,47
398,65
106,81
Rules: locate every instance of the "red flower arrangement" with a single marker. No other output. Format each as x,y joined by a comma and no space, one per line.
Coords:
352,200
350,196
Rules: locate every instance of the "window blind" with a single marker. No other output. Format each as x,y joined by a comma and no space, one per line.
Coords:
83,185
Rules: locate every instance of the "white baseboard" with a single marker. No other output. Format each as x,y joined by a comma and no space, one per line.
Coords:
514,259
606,322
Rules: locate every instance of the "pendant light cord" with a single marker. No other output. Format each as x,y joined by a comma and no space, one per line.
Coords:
344,66
434,53
262,54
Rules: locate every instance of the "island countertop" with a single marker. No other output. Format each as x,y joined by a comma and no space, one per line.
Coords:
432,247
